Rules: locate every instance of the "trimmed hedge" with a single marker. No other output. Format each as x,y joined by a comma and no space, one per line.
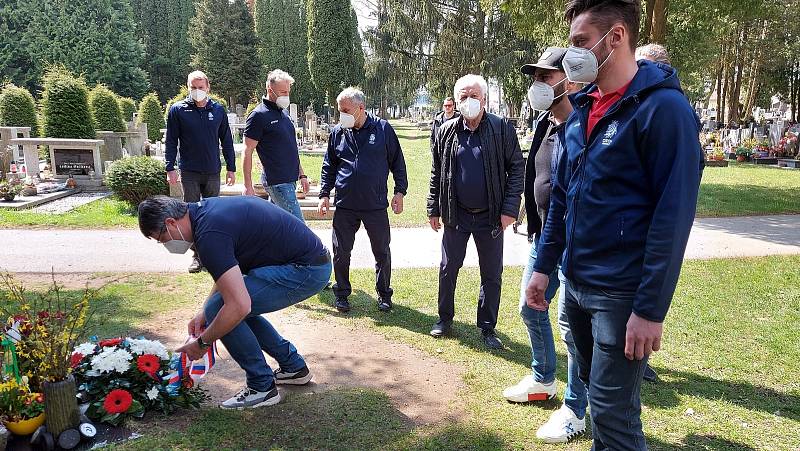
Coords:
65,106
18,109
150,113
184,93
105,110
135,179
128,107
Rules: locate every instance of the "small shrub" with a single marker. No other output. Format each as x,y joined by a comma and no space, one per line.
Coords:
137,178
18,109
65,106
128,107
105,110
150,113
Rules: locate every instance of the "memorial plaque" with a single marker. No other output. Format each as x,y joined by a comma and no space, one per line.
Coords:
73,161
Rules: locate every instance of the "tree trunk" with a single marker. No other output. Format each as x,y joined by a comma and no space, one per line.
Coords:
738,67
658,33
723,93
648,20
755,71
61,406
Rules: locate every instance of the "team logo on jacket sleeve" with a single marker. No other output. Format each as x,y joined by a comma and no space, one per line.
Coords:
210,116
611,131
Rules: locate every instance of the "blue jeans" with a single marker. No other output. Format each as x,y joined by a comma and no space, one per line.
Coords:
271,288
284,195
575,393
598,321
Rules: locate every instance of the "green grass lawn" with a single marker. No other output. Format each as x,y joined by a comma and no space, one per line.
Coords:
738,190
730,355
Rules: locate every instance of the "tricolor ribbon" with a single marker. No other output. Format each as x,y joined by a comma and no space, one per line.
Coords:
196,370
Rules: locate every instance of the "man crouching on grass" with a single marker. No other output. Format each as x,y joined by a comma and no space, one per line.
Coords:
262,260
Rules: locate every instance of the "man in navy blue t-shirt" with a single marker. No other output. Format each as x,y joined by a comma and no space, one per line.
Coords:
271,132
362,150
262,259
196,127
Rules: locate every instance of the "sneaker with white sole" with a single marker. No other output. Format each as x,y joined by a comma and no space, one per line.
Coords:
562,426
248,398
528,390
299,377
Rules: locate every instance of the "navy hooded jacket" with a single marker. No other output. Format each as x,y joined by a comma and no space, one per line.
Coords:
624,200
358,162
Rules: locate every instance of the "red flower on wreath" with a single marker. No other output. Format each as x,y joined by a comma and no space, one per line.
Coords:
148,363
75,359
117,401
110,342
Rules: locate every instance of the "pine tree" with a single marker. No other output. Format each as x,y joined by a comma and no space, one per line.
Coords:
222,33
65,106
105,110
128,107
150,113
18,109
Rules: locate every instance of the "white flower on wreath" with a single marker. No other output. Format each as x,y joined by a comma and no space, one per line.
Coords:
152,394
112,360
142,346
85,349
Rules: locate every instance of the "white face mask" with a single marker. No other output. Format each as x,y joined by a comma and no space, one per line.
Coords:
198,95
174,246
283,102
470,108
581,65
541,95
347,120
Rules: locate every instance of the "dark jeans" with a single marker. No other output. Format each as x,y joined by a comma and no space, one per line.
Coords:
490,260
598,321
197,185
345,225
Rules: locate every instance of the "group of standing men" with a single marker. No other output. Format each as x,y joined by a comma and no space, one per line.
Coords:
610,185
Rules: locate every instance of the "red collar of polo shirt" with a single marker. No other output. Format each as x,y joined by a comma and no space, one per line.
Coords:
601,104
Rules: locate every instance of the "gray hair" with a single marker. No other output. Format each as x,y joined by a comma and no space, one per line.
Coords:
471,80
154,212
277,76
197,75
653,52
353,94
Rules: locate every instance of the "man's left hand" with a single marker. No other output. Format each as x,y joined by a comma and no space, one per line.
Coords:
397,203
230,178
305,185
506,221
642,337
192,349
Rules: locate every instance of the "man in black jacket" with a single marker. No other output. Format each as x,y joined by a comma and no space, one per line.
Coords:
448,112
476,183
362,150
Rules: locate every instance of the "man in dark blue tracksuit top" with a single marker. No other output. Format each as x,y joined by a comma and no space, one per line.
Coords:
196,127
621,210
362,150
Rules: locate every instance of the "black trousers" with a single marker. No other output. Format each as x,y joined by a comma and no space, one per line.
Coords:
490,260
345,225
197,185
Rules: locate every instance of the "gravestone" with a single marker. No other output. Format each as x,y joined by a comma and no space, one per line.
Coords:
77,158
17,153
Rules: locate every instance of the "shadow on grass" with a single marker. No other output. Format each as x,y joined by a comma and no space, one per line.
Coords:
700,442
673,383
716,199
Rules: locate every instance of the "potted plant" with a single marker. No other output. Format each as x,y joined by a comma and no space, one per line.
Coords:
22,412
9,191
743,154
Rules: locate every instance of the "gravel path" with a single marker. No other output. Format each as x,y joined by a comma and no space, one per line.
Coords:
69,203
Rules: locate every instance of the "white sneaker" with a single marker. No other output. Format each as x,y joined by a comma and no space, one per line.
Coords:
529,390
562,426
249,398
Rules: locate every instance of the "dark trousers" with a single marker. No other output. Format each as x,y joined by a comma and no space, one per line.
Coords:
197,185
490,260
598,321
345,225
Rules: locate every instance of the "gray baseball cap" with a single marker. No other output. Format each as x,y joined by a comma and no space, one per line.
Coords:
549,60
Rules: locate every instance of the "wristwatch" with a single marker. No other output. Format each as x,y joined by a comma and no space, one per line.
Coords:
202,343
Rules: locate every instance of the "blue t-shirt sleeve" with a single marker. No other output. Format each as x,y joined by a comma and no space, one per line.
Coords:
216,251
254,126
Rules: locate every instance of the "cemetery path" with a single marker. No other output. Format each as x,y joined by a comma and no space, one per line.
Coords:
125,250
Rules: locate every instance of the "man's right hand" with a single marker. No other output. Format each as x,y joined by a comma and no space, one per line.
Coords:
172,177
534,293
435,224
324,205
197,324
249,191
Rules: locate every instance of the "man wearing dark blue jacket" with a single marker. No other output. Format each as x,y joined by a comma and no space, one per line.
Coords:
362,150
621,210
196,127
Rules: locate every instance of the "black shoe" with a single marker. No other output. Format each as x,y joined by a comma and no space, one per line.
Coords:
490,339
441,328
328,286
299,377
342,305
384,305
649,374
196,265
